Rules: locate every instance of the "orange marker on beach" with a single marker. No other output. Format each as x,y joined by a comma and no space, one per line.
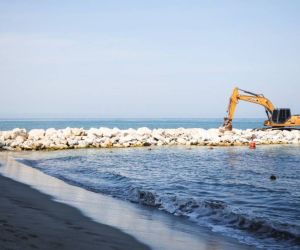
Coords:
252,145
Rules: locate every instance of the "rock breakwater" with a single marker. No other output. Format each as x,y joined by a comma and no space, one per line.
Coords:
69,138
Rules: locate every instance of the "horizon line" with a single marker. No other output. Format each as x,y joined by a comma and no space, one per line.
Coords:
114,118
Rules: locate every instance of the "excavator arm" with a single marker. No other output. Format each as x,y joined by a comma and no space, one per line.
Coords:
248,97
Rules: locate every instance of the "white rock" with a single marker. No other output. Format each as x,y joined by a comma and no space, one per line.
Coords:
78,131
50,132
181,141
115,132
106,132
82,144
126,139
94,133
46,143
144,131
67,132
38,139
36,134
89,140
12,134
2,143
72,142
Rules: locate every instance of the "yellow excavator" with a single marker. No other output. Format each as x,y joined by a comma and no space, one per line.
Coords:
277,117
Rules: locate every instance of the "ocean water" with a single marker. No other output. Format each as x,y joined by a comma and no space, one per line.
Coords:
125,123
226,189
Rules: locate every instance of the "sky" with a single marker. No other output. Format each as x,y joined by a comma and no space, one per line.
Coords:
146,59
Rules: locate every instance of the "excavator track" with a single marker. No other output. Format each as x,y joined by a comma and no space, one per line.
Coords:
281,129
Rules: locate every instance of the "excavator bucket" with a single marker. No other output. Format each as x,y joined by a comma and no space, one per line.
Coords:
227,125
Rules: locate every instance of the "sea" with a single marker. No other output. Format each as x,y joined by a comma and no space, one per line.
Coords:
225,189
7,124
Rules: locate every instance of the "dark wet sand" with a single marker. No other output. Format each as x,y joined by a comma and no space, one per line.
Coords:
31,220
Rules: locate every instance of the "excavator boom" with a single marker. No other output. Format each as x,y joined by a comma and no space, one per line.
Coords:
276,117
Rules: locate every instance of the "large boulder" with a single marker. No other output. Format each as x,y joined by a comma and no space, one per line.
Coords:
94,133
67,132
13,134
144,131
50,132
36,134
17,142
78,131
127,138
29,145
105,132
2,144
72,142
115,132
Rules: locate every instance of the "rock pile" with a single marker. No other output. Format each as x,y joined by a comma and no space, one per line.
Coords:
54,139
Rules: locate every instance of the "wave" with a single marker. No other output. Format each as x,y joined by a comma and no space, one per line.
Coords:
216,212
37,163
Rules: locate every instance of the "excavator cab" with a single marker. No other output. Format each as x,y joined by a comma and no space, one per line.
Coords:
280,116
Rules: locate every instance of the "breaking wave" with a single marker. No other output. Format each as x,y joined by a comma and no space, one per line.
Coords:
214,213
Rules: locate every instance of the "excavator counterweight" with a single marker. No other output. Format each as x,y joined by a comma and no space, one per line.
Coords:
277,117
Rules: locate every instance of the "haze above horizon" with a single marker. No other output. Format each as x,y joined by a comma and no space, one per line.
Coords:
146,59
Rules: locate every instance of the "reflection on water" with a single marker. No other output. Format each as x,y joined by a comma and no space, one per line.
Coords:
153,227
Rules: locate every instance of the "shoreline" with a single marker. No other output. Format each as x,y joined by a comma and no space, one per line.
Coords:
32,220
74,138
154,228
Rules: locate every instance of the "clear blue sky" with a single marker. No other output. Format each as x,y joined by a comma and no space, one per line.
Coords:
146,58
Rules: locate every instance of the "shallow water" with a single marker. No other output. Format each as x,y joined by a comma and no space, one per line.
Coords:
227,190
125,123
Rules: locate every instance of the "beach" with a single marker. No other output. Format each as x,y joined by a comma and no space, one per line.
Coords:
32,220
162,125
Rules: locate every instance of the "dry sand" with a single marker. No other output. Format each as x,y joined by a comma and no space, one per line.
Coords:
31,220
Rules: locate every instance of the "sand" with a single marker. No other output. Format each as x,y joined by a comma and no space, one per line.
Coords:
32,220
